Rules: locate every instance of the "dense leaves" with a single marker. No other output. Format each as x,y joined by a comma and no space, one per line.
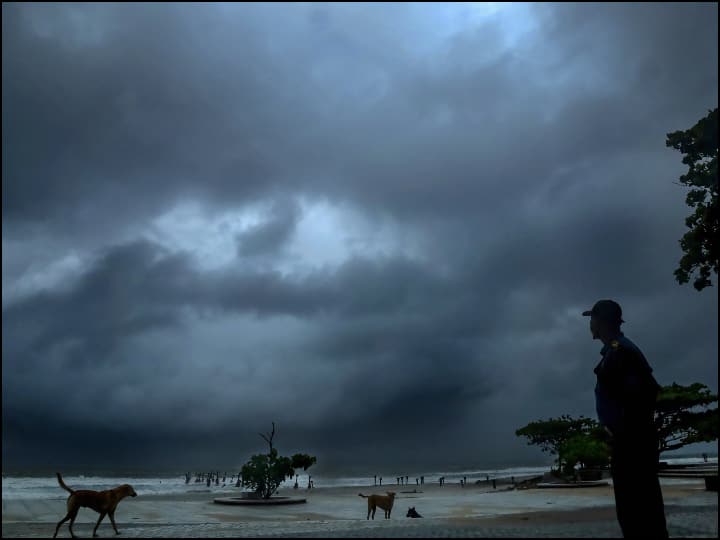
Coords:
552,434
699,144
263,473
683,415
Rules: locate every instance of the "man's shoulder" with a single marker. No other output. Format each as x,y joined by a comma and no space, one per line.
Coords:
622,352
623,344
628,355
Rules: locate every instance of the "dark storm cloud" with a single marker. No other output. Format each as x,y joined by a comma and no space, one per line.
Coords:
533,176
151,103
138,288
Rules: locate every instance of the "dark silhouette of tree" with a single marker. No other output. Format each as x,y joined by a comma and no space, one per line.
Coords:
699,144
553,434
683,416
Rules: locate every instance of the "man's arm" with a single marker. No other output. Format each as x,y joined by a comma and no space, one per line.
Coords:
635,387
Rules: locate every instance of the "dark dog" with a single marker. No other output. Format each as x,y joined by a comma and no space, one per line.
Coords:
103,502
412,513
383,501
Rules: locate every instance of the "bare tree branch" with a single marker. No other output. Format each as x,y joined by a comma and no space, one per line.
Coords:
269,440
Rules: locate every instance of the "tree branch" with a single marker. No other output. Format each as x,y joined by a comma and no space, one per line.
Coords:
269,441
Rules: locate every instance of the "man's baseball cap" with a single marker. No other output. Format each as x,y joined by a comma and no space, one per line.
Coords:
606,310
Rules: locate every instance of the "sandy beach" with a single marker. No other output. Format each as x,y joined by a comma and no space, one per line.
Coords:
448,511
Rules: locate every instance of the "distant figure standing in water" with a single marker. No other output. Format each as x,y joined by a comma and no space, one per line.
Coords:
625,396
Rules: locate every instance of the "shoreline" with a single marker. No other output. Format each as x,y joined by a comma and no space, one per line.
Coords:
338,511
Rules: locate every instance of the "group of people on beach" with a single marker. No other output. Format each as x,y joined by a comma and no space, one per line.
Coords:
209,478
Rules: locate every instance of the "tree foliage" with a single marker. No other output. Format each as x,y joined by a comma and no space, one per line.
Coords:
552,435
699,144
587,449
683,415
264,473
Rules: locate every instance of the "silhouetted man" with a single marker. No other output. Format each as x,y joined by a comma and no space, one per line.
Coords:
625,396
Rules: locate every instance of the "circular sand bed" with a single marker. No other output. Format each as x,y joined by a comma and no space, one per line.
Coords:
259,502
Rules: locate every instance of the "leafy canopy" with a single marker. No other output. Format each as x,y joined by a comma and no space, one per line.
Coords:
264,473
699,144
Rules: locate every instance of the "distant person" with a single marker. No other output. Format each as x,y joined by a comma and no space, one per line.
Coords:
704,456
625,397
381,480
376,479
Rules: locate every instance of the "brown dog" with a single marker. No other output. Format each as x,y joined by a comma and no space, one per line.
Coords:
383,501
103,502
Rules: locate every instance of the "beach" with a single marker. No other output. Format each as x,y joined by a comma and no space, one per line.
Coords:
476,510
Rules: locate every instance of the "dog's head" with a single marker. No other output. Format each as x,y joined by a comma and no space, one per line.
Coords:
127,491
391,494
412,513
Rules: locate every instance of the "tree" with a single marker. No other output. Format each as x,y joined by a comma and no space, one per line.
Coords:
699,144
552,434
588,449
263,473
683,415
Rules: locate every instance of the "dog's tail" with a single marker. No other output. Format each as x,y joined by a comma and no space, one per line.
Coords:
365,496
62,484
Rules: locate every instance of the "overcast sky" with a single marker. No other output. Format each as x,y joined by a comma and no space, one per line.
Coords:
376,225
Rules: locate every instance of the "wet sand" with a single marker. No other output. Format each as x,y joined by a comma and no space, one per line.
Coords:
450,510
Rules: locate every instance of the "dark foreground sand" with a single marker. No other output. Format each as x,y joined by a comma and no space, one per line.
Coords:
449,511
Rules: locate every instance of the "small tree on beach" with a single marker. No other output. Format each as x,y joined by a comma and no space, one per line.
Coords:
263,473
552,434
587,449
682,415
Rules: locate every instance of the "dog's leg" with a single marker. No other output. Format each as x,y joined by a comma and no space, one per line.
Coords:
102,515
374,508
63,520
72,520
112,520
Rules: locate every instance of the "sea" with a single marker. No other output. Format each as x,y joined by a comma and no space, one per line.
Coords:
46,486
